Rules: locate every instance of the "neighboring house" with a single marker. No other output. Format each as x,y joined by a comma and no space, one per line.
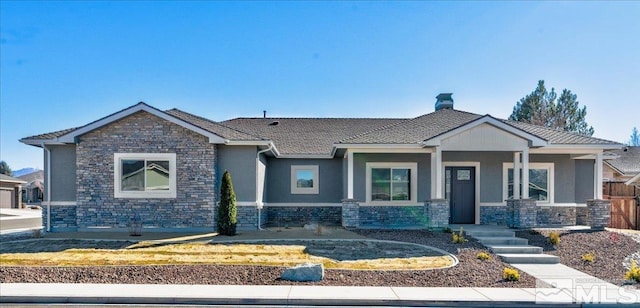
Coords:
10,188
447,166
625,167
33,190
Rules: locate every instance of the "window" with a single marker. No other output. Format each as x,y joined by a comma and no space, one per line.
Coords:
304,179
144,175
540,181
392,182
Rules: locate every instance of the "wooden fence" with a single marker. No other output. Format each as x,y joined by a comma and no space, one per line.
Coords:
625,213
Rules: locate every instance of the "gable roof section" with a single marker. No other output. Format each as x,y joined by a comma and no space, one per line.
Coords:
627,162
216,132
307,136
9,179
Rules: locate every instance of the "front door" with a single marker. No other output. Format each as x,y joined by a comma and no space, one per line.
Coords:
460,190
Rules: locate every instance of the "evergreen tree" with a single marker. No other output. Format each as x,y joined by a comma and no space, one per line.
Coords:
5,169
227,210
544,108
635,137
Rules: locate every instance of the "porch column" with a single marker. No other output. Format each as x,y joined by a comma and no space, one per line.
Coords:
436,174
516,175
525,173
597,186
349,174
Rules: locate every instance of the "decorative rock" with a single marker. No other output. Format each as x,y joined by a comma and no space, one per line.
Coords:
304,272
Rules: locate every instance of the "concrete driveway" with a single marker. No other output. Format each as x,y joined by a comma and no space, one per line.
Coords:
19,219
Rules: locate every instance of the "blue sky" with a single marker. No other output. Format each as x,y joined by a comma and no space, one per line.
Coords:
65,64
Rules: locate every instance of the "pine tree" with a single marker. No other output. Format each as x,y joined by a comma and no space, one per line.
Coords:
5,169
635,137
227,211
544,108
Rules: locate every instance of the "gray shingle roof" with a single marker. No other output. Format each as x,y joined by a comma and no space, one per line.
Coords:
554,136
629,162
307,135
211,126
6,178
48,136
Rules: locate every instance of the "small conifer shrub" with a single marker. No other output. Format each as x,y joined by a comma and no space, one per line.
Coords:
227,211
510,274
633,273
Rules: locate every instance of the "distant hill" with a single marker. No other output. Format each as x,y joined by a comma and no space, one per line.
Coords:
24,171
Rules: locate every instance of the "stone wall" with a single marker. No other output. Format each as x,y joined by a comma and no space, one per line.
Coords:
436,212
521,213
582,215
192,209
350,213
298,216
493,215
556,216
392,217
248,218
599,214
63,218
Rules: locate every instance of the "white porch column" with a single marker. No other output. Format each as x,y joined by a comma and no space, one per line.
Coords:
597,185
525,174
349,174
516,175
436,174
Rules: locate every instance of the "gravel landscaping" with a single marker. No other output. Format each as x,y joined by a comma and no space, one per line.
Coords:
470,272
610,249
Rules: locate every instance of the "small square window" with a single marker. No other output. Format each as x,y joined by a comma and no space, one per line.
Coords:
304,179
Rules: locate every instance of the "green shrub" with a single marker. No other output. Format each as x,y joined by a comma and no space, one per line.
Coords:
633,273
588,257
554,238
227,211
483,256
458,238
510,274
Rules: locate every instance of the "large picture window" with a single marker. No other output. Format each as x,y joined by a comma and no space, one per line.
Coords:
392,182
304,179
144,175
540,181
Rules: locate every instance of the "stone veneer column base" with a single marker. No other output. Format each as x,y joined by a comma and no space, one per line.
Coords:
436,212
598,214
521,213
350,213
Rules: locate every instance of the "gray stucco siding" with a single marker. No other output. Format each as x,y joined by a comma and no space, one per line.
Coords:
279,181
584,180
240,161
63,172
360,161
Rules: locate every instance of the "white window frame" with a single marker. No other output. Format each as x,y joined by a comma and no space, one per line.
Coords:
413,166
550,181
295,190
117,175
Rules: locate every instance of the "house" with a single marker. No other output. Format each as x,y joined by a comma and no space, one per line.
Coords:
625,167
33,190
10,188
446,166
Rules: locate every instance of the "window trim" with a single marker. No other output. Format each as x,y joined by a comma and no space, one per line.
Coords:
413,166
117,175
550,174
295,190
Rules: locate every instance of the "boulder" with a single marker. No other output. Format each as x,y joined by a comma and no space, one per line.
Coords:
304,272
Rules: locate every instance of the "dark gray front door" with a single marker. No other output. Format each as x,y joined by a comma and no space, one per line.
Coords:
461,194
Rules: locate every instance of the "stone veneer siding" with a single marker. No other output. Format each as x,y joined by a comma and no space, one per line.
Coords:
493,215
298,216
599,214
350,213
192,209
392,217
521,213
63,218
248,218
436,212
556,216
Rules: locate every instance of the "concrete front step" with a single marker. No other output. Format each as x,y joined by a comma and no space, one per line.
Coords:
510,249
502,241
495,233
523,258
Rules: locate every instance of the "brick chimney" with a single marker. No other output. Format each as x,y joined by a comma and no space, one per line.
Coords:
444,101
